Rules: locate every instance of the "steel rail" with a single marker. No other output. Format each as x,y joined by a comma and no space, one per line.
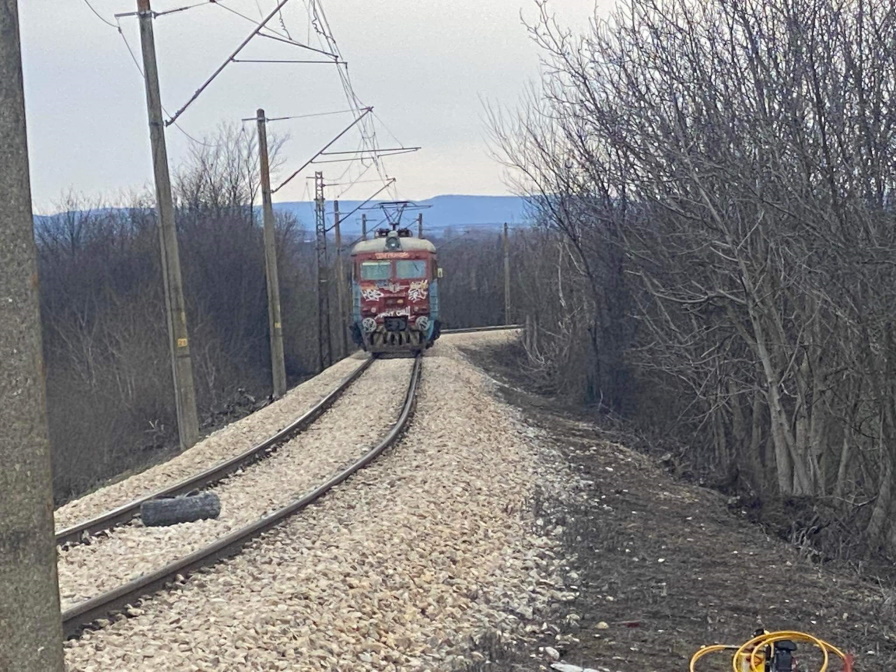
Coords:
75,619
212,475
470,330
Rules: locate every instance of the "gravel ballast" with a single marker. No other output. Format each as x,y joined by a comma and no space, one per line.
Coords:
225,443
355,423
394,570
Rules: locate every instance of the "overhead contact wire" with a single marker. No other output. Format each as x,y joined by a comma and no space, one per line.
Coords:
98,15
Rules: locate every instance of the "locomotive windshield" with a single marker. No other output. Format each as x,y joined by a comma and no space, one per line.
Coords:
410,269
376,270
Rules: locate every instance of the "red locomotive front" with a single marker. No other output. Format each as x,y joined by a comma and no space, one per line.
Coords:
394,293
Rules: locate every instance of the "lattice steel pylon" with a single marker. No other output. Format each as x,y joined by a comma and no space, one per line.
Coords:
323,286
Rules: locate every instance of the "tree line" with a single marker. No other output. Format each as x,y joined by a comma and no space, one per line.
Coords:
714,183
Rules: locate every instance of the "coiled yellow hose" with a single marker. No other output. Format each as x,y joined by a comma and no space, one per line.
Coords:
750,656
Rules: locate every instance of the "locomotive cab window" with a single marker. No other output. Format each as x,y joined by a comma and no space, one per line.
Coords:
375,270
410,269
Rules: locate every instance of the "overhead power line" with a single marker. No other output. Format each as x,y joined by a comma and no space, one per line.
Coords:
321,26
369,198
300,116
281,60
142,75
379,150
306,116
368,153
257,31
325,147
204,3
131,51
244,17
98,15
283,24
293,43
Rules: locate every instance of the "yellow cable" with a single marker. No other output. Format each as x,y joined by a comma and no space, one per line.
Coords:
707,650
760,642
826,648
752,652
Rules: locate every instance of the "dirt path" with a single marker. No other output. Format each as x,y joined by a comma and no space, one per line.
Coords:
663,567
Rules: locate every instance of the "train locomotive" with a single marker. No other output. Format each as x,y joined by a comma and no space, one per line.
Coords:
395,293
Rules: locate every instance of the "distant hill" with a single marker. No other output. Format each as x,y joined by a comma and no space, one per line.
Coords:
449,211
457,212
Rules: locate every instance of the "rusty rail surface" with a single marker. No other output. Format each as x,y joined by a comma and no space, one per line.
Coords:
80,616
212,475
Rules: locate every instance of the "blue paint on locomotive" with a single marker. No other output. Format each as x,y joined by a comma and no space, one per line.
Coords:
433,305
356,303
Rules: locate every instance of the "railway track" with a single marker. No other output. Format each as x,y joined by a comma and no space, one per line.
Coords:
127,512
471,330
76,618
215,474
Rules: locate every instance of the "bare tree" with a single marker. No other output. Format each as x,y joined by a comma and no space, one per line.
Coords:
727,168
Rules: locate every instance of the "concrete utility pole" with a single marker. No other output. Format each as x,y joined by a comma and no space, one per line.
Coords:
30,621
340,282
419,224
506,276
324,336
182,367
364,226
275,326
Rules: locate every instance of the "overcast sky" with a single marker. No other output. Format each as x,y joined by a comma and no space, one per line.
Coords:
424,65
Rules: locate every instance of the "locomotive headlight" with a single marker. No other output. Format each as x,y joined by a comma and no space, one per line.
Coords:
392,241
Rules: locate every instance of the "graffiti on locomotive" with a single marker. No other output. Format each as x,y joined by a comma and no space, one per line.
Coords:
395,293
